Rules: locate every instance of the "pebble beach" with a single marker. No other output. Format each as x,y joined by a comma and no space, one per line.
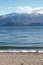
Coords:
21,58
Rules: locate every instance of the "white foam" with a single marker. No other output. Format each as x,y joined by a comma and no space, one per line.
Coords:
40,51
18,51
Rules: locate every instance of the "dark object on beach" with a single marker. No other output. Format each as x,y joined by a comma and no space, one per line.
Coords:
21,63
37,51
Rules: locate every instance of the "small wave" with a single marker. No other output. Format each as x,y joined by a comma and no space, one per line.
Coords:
22,51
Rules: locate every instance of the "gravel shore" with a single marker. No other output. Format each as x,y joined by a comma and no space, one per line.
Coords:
21,58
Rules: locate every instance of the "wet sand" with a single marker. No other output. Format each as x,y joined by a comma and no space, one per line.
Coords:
21,58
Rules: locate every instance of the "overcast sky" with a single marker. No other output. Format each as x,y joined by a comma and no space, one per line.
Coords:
19,6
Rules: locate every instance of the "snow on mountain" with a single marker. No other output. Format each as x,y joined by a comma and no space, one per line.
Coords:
21,19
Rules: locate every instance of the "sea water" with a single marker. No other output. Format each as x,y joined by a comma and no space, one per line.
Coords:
21,37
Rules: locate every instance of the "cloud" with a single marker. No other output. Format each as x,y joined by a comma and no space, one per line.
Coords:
38,10
21,9
0,14
28,9
24,9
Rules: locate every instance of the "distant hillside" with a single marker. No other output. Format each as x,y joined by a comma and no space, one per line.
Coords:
19,19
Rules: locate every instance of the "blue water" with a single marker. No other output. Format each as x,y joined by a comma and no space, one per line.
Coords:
21,36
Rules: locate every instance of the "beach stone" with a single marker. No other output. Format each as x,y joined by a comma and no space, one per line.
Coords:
21,58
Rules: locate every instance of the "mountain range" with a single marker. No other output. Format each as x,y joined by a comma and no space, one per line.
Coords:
21,19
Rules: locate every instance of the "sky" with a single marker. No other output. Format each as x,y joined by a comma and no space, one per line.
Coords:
20,6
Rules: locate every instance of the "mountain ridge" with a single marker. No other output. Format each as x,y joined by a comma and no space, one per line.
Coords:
20,19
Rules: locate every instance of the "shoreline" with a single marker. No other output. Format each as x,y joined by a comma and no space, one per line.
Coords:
24,51
21,48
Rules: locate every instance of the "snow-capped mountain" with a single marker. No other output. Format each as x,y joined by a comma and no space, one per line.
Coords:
13,19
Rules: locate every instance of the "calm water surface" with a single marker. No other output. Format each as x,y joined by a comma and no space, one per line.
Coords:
31,36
